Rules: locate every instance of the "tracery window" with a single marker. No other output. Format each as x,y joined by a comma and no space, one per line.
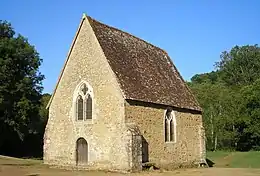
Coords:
84,103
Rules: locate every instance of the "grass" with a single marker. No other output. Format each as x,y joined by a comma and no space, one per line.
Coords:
6,160
235,159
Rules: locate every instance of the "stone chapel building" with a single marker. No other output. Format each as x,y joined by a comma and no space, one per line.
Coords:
120,102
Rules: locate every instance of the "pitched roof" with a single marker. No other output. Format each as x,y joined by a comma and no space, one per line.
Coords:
144,71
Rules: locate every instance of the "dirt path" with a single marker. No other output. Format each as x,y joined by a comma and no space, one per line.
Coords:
8,170
18,167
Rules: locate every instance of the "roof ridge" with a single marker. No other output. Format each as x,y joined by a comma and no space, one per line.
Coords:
112,27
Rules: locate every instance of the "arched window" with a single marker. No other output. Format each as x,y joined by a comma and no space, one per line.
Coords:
170,126
89,108
79,108
84,102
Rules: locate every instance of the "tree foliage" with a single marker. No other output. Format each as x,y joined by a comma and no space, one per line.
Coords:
240,66
43,112
20,87
230,98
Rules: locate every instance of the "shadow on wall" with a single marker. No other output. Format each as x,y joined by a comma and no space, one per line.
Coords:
145,150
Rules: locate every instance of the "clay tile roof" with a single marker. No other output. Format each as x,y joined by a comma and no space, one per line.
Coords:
144,72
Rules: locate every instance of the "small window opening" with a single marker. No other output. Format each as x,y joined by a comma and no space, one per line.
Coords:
170,126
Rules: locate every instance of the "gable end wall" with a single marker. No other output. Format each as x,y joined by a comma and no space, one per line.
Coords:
106,133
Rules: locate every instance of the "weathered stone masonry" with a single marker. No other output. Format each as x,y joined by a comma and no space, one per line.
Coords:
150,120
106,133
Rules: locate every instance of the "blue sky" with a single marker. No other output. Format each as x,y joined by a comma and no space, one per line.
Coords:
194,33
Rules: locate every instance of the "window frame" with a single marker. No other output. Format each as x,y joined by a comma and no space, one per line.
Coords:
86,111
84,95
77,108
167,130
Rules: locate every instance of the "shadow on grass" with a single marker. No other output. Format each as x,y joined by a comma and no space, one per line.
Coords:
209,162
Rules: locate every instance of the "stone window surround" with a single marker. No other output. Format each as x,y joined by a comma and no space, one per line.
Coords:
174,126
76,93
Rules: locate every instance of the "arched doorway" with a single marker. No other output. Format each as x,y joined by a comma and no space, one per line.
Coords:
81,151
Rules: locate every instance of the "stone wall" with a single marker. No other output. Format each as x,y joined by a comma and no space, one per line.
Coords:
110,144
106,133
150,120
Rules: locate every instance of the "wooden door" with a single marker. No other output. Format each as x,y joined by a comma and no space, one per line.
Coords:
82,151
145,150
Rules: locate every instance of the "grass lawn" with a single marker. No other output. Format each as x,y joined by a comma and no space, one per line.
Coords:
6,160
235,159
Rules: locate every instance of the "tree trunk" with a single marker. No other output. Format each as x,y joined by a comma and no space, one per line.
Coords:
216,142
212,130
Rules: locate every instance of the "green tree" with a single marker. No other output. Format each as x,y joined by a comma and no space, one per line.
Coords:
218,121
249,121
220,111
44,113
240,66
212,77
230,100
20,86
